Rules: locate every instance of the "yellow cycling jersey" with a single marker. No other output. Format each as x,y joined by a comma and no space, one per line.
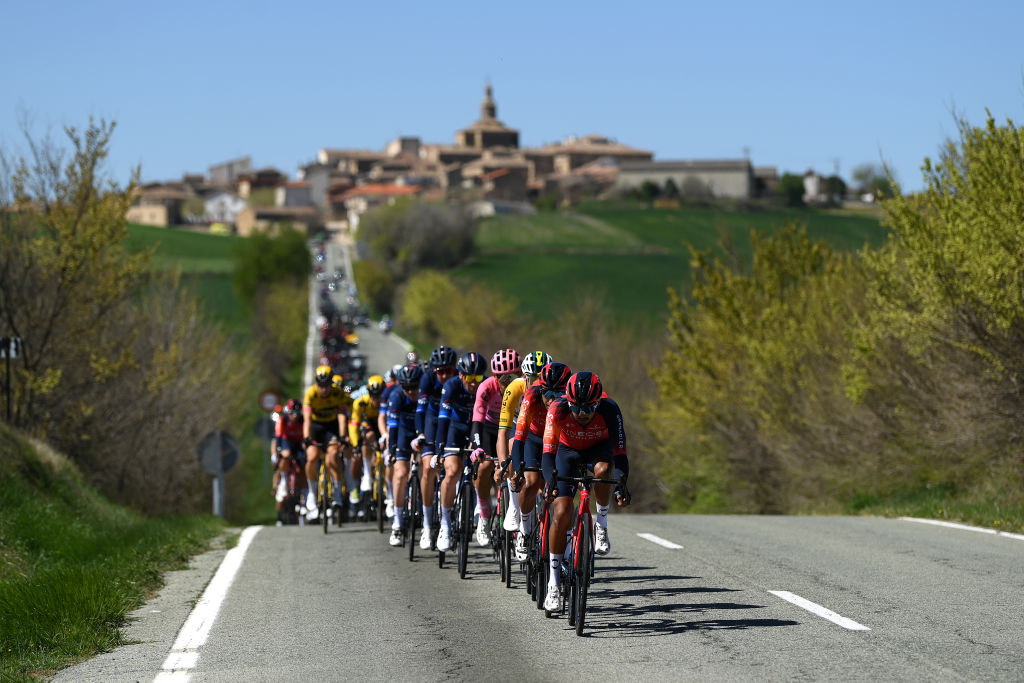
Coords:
510,403
326,408
363,410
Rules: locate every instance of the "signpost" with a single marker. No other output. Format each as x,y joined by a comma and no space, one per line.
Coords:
218,453
10,347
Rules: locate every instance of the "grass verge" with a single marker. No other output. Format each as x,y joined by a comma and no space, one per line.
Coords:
72,564
999,510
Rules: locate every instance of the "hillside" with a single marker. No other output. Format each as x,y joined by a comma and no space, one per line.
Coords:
73,564
630,252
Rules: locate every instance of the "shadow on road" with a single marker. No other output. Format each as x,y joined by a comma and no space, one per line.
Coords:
648,611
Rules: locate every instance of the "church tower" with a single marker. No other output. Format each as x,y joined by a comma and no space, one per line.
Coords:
488,131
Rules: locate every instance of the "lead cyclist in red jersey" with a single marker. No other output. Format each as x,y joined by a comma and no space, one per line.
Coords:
582,428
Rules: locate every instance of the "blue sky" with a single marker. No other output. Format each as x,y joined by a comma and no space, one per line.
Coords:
801,84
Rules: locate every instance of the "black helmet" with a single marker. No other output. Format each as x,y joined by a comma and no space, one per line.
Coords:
410,374
471,364
442,357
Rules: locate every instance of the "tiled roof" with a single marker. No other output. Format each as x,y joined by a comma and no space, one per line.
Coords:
701,165
380,190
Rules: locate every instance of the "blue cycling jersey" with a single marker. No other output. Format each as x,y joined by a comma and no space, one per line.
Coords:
456,407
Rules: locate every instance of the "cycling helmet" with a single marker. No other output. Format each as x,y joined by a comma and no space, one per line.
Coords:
388,377
442,356
412,357
323,375
584,388
338,381
505,361
553,376
375,385
394,371
293,407
471,364
410,374
533,362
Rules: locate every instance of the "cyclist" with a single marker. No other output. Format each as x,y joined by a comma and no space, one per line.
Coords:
486,411
529,443
391,378
362,428
401,432
441,368
323,412
510,402
349,463
288,443
584,427
453,427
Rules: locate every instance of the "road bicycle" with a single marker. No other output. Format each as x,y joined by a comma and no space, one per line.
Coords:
579,568
462,509
413,505
437,516
379,488
325,496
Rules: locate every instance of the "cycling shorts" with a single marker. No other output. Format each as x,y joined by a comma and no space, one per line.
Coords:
532,449
324,432
569,461
489,438
294,448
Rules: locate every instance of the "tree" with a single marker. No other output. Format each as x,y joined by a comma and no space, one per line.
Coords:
791,189
671,189
649,190
874,180
263,259
835,188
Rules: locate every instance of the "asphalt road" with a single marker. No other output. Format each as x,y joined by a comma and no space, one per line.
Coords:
935,603
695,598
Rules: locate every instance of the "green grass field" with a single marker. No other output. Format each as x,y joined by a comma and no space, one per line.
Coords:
73,564
632,254
206,263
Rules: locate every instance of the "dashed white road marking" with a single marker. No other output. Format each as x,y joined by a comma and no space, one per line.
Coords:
964,527
660,541
822,612
185,652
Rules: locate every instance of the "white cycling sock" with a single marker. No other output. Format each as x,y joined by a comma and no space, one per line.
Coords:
399,516
526,522
513,501
337,491
428,515
446,516
556,570
602,515
390,493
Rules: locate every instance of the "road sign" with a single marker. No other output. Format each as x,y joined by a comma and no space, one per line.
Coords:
264,428
269,400
10,347
218,452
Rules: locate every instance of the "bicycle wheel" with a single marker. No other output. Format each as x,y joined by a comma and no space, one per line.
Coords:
415,502
584,568
324,489
466,524
379,493
543,564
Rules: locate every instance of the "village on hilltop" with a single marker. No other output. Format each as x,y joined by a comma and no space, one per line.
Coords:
485,168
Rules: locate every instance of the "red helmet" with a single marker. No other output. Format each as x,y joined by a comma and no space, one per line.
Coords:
505,361
584,389
554,376
293,407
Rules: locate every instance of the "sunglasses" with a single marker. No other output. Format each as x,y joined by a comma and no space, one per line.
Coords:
470,379
410,387
552,395
446,371
507,379
582,408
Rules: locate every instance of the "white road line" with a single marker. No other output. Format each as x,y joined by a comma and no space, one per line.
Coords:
185,652
965,527
660,541
823,612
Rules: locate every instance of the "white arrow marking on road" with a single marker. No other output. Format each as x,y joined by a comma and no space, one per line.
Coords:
660,541
194,633
823,612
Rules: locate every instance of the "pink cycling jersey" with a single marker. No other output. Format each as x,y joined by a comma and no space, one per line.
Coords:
488,401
